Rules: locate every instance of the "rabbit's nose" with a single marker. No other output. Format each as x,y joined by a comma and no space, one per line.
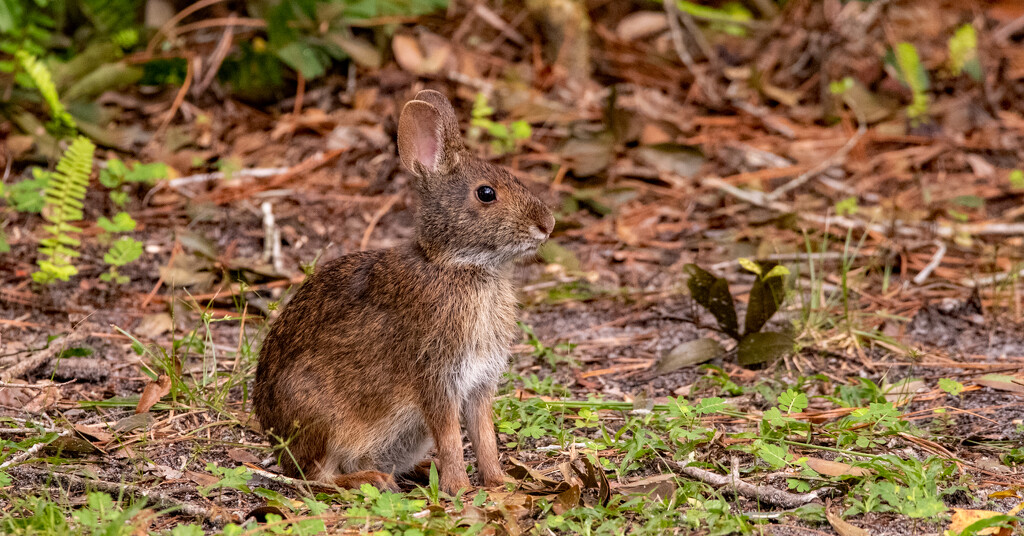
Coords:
546,223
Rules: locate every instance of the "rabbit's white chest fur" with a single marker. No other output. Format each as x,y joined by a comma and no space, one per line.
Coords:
486,350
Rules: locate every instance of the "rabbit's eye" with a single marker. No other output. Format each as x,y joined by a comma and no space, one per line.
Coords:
486,194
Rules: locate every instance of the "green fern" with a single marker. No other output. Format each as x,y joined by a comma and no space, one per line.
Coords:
43,81
62,200
122,252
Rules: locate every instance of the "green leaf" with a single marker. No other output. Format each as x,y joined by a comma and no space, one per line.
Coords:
1017,178
764,347
723,308
963,52
792,401
765,298
777,271
690,353
123,251
774,455
847,207
521,130
121,223
750,265
710,405
969,201
699,283
952,387
304,59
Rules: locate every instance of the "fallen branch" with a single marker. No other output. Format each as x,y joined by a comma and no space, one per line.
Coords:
31,451
36,360
764,494
161,500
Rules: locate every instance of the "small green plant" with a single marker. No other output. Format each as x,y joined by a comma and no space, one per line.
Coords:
117,174
963,53
122,252
230,477
766,296
911,72
42,80
62,205
1017,178
559,354
505,138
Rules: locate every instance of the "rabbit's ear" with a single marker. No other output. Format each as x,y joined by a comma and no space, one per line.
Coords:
428,134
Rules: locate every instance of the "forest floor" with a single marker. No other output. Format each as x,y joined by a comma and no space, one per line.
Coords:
896,408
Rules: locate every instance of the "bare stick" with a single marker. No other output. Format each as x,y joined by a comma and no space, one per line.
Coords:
836,159
765,494
922,276
156,498
676,30
41,356
30,452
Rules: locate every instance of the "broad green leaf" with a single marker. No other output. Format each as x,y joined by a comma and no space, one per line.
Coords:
750,265
774,455
722,307
766,296
121,223
764,347
963,52
699,283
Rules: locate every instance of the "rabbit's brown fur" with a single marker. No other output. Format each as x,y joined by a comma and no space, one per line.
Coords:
380,354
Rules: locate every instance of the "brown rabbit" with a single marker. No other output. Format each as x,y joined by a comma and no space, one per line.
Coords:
380,352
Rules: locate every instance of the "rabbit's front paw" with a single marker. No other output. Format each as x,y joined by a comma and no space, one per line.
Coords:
451,484
500,479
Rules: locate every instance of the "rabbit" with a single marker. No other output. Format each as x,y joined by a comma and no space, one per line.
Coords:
381,354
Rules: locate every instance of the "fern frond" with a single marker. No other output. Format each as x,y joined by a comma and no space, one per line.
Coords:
62,205
43,80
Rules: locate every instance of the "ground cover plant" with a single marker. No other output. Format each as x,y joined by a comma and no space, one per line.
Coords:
781,295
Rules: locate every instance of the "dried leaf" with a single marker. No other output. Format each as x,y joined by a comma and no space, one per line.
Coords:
831,468
94,433
567,500
979,521
154,325
1002,382
690,353
641,24
134,422
842,527
153,392
242,456
764,347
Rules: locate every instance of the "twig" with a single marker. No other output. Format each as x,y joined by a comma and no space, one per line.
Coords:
190,71
922,276
1006,31
836,159
165,30
300,93
255,173
271,238
676,30
219,54
375,219
41,356
766,494
31,451
157,498
499,24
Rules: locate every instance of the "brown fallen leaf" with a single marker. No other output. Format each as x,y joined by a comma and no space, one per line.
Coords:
242,456
44,398
1002,382
842,527
964,518
94,433
153,392
830,468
